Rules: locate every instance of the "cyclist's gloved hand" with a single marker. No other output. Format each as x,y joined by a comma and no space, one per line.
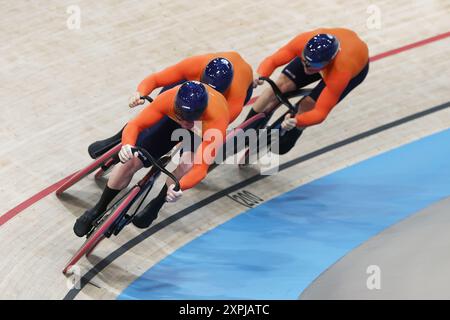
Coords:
126,154
135,100
289,122
172,195
256,81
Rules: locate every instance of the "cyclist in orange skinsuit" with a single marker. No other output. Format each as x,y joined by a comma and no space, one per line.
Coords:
345,68
237,95
216,116
226,72
239,90
163,117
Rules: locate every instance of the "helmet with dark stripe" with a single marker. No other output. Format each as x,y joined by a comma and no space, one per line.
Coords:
191,101
218,74
320,50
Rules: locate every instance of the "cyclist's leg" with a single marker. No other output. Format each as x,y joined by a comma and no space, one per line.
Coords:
121,176
187,157
267,98
145,217
154,140
292,77
289,138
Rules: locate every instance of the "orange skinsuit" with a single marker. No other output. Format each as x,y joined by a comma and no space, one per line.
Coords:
216,116
192,69
352,58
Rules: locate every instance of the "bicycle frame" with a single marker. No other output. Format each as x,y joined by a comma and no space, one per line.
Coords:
114,222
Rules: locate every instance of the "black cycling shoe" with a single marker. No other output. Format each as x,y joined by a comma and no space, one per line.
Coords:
144,218
288,140
85,223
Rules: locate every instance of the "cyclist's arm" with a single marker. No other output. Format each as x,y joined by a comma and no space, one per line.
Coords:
283,55
325,103
235,104
238,92
206,153
184,70
149,116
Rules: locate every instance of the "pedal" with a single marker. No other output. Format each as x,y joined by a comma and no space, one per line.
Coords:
108,233
122,223
88,235
110,230
97,222
118,225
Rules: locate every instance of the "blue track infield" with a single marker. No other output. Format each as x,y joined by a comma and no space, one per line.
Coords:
276,250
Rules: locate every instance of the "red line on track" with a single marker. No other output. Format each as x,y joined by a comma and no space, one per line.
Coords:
29,202
42,194
409,46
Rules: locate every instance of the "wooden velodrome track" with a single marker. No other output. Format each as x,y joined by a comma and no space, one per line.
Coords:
62,89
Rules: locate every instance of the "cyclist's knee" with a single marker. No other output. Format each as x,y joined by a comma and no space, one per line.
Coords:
306,104
131,167
285,84
186,162
122,174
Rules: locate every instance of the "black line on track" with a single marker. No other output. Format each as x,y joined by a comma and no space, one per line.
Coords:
180,214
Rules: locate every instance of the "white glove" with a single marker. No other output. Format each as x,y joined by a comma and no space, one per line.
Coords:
126,153
135,100
289,123
256,81
172,195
